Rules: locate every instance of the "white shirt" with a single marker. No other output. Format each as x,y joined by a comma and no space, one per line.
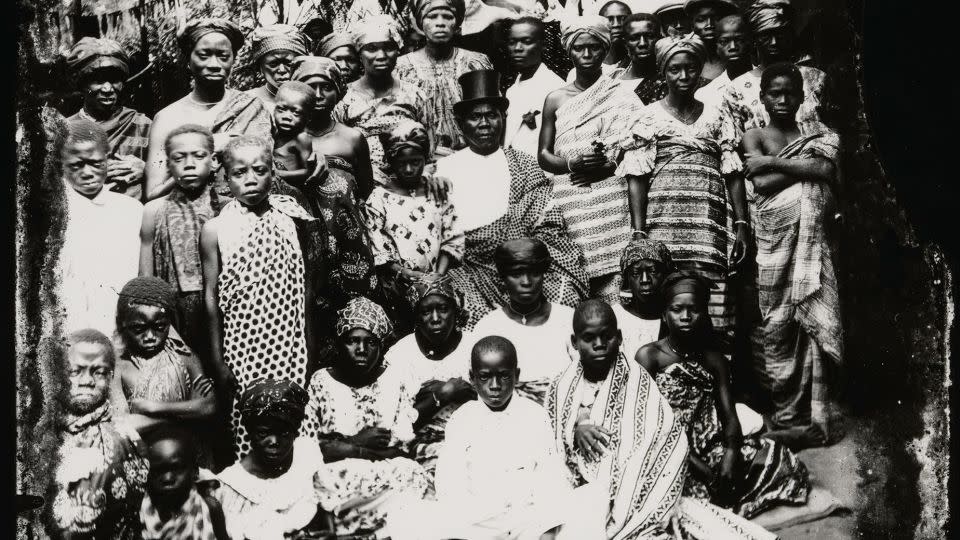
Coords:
544,351
101,252
526,96
712,93
481,186
636,332
406,354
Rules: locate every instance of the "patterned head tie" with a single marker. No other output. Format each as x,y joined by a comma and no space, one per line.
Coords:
280,400
591,25
406,134
420,9
522,253
766,15
438,284
365,314
333,42
278,37
196,29
151,291
645,250
377,29
308,67
90,54
687,282
667,47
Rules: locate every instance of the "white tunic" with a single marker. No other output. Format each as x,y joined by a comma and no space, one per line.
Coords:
407,356
481,186
636,332
527,96
544,351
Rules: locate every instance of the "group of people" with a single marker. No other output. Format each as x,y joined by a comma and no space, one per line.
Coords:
375,297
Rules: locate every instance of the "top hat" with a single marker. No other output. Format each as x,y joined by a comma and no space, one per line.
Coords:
480,86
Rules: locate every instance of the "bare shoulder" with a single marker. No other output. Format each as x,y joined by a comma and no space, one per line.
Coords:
649,357
352,135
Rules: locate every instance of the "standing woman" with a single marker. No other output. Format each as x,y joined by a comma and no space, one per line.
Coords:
210,47
273,49
689,175
436,68
378,101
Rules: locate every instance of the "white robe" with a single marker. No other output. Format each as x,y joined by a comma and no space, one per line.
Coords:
543,351
528,96
481,186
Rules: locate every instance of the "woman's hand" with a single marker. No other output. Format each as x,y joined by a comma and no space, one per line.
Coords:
125,170
588,162
740,245
372,437
453,390
591,440
726,480
317,167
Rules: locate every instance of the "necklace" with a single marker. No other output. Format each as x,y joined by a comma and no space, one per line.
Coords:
523,316
685,356
201,103
313,133
676,113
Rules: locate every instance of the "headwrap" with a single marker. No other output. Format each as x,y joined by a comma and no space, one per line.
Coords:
196,29
365,314
375,30
687,282
766,15
440,285
90,54
151,291
667,47
319,66
333,42
645,250
725,7
278,37
275,399
523,252
419,9
593,25
406,134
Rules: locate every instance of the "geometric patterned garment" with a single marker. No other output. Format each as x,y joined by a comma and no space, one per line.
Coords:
797,287
176,242
127,135
261,296
164,377
771,475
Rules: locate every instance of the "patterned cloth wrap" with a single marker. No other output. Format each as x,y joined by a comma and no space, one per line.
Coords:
365,314
278,37
668,47
645,250
275,399
187,38
90,54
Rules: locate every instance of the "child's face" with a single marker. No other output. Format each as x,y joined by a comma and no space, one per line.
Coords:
145,329
494,378
684,314
782,98
408,165
271,442
597,341
190,161
172,473
250,173
733,45
290,112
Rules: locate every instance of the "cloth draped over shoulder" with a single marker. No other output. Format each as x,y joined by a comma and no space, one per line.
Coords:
191,521
243,113
128,134
176,244
164,377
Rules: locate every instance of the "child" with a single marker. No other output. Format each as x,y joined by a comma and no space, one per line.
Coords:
170,231
410,234
293,157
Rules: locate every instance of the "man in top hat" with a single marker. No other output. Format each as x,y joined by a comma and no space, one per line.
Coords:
502,194
100,68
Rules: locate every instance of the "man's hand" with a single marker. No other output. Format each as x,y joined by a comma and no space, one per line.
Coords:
438,187
591,440
125,170
371,437
756,164
740,245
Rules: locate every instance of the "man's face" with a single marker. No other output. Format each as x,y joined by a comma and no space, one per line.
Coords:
85,167
436,318
325,92
249,174
676,23
640,38
379,58
587,53
684,315
190,161
682,72
775,45
732,43
271,442
408,165
348,61
290,112
782,98
145,329
211,59
360,351
597,341
90,375
101,90
615,12
494,378
482,127
440,26
525,46
644,279
705,23
524,284
277,67
172,473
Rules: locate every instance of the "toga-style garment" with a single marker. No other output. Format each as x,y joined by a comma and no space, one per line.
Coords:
526,99
128,134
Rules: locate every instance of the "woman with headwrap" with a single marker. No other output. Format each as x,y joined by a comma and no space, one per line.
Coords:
362,413
582,123
436,68
644,264
378,100
338,196
436,356
209,47
269,494
273,49
683,154
339,47
100,68
731,464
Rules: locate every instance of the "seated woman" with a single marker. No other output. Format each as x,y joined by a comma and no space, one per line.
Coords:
537,327
693,377
437,358
270,492
362,412
644,264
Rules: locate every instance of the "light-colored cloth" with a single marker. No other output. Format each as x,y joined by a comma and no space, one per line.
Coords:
438,82
477,178
412,230
100,253
668,47
527,212
527,97
742,96
595,26
265,508
407,356
192,520
606,69
636,332
543,351
712,93
801,328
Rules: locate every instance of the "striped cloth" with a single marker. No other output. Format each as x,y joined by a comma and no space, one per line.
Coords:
797,287
128,134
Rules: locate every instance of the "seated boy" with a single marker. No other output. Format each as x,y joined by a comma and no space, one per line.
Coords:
293,158
499,475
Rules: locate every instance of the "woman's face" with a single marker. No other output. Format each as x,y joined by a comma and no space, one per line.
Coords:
348,62
211,59
682,73
524,284
326,93
101,90
276,67
644,279
360,352
379,58
440,26
587,53
271,442
436,318
684,314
